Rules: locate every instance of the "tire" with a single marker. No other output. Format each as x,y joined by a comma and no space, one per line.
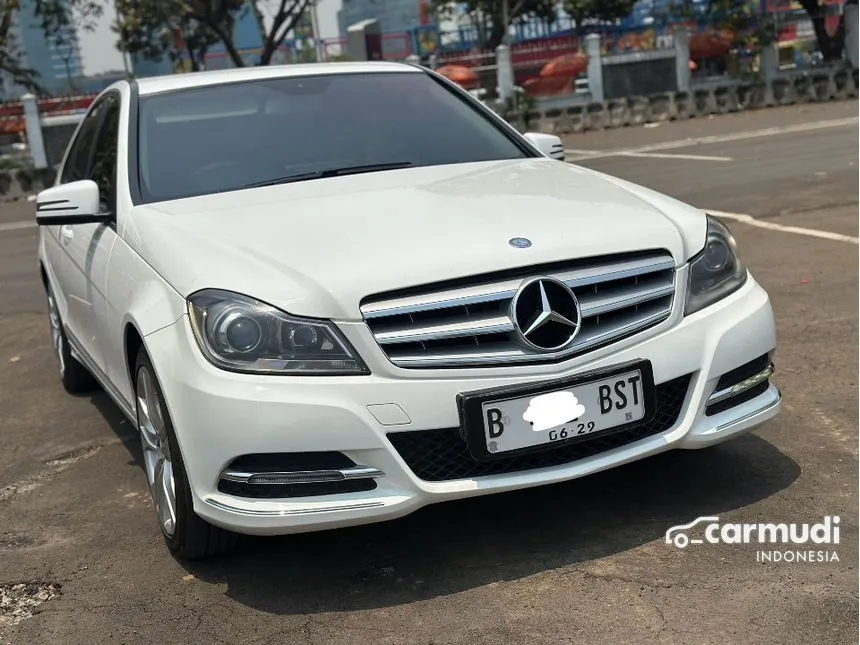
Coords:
187,535
76,379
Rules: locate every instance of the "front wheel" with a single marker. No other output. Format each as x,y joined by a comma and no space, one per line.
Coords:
188,536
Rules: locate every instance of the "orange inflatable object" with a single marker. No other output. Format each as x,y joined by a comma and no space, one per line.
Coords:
711,43
568,65
463,76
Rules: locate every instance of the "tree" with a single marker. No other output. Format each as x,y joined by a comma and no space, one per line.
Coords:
751,26
489,15
58,18
157,28
831,46
150,27
582,11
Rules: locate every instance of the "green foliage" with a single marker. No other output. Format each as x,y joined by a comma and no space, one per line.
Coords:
150,27
154,29
489,15
57,18
12,163
603,10
754,30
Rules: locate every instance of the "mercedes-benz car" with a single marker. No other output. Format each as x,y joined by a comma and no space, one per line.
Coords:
332,294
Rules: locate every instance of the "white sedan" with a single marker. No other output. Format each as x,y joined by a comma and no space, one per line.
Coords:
332,294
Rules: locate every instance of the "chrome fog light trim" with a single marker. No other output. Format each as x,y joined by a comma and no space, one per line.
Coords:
741,387
302,476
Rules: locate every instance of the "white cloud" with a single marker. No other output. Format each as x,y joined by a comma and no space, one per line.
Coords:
554,409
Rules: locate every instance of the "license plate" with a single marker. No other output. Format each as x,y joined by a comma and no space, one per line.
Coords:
527,418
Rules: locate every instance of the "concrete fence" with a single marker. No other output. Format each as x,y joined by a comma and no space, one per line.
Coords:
556,117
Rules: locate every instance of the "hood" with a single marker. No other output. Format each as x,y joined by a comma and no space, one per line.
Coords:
316,248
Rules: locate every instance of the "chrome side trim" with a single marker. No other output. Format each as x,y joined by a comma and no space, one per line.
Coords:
301,476
774,404
286,512
81,356
743,386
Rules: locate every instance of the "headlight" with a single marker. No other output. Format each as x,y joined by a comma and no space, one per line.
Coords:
716,271
245,335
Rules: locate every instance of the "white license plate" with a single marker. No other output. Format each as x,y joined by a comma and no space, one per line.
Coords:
563,414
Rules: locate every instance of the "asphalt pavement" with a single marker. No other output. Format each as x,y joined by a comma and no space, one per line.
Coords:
82,561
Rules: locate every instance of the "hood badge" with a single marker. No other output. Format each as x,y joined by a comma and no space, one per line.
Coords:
520,242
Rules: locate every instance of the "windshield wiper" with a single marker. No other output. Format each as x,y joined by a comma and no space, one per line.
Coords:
330,172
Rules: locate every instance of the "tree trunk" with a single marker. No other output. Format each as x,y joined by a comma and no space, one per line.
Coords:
831,47
224,37
497,33
285,21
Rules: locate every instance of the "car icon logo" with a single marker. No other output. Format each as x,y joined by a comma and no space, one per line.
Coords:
678,535
520,242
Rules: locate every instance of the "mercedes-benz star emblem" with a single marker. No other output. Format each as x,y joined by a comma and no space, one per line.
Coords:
520,242
546,314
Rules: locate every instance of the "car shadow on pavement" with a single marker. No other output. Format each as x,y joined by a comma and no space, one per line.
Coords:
119,424
456,546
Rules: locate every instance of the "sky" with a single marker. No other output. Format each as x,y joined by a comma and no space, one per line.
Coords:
100,54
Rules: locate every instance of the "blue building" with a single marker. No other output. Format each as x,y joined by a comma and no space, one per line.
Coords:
394,16
57,60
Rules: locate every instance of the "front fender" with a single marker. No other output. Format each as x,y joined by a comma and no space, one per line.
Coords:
140,303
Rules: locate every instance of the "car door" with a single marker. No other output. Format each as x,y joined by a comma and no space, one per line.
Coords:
75,166
87,246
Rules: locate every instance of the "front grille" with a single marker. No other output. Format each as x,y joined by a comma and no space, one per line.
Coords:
467,323
440,455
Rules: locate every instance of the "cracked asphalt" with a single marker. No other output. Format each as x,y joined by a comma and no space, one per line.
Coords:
584,561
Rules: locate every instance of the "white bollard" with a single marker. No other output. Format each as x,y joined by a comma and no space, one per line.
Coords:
504,72
681,38
595,67
34,131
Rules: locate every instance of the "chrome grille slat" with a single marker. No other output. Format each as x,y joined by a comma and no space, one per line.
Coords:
471,325
464,327
596,305
500,291
451,359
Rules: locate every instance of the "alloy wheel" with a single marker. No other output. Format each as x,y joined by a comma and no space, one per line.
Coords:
56,332
156,451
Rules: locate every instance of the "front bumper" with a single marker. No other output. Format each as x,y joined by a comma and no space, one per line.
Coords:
220,415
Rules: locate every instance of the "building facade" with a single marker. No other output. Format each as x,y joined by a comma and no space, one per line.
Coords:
56,60
394,16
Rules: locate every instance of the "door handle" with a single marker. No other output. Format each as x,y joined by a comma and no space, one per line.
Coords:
67,233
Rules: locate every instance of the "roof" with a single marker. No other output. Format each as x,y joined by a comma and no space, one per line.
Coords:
158,84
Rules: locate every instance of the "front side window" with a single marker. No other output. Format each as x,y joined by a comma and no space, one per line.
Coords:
226,137
77,163
104,160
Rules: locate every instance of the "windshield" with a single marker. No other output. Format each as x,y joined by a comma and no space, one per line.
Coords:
226,137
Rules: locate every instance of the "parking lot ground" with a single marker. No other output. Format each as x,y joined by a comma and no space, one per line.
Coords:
583,561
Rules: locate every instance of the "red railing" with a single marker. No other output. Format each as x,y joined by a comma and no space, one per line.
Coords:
50,107
12,113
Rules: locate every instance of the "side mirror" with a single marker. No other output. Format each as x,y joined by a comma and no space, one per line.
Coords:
74,203
549,144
